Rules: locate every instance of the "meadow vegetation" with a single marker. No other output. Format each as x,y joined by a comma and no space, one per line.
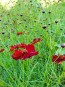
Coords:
33,21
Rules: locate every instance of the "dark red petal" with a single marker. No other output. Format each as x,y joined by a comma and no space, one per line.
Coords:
28,55
22,45
58,61
17,54
36,40
62,57
12,48
25,56
30,48
33,54
2,50
54,58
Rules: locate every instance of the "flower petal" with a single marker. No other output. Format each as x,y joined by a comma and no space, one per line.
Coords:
30,48
17,54
36,40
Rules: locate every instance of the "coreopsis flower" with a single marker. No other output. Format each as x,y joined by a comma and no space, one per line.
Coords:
23,51
58,58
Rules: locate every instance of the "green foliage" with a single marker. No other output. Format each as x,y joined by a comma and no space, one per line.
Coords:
39,71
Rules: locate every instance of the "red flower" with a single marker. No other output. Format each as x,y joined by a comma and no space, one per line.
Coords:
18,33
25,53
36,40
2,50
58,59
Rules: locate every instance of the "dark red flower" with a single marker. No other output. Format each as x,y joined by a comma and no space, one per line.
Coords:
1,50
58,58
19,33
36,40
25,53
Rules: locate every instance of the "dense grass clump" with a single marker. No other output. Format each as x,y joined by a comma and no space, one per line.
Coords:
28,17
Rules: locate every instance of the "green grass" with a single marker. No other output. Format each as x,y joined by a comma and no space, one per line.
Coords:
38,71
